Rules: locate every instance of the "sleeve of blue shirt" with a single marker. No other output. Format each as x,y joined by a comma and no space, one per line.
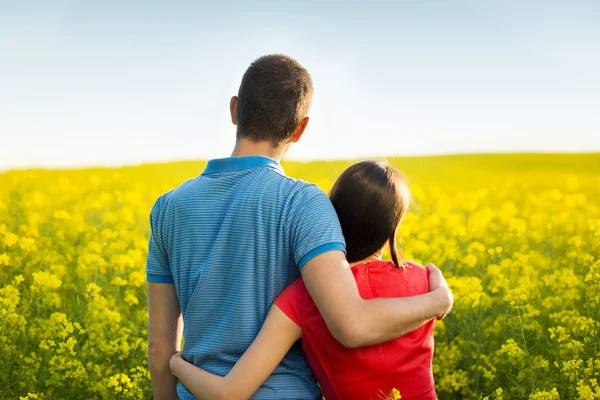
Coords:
157,265
315,228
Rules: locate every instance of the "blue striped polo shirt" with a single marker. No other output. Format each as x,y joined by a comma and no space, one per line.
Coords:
230,241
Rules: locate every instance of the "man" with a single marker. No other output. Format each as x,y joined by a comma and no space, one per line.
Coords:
225,244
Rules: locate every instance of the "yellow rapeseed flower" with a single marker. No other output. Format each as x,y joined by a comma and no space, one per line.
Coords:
517,237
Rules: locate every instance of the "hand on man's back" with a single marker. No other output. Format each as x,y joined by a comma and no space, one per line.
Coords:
438,282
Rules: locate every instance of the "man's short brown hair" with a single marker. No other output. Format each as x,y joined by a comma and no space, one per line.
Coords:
274,96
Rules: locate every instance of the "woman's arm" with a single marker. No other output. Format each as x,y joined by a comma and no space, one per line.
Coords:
274,340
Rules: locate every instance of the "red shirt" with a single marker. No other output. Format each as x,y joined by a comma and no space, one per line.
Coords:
367,372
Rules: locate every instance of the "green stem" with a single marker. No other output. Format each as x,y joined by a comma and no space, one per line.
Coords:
521,325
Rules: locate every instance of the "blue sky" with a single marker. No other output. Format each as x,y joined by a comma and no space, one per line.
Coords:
121,82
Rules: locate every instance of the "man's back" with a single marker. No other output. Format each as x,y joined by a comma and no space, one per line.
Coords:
230,241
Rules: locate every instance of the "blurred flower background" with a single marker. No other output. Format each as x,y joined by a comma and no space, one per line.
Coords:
518,237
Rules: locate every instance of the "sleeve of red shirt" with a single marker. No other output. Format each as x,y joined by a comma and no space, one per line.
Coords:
290,299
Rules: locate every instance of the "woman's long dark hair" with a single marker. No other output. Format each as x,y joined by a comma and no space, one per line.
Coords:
370,199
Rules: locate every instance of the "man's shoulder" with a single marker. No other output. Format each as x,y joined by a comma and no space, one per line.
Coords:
311,198
179,191
297,191
303,191
172,195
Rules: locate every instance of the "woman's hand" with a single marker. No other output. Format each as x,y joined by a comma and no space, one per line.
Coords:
274,340
175,361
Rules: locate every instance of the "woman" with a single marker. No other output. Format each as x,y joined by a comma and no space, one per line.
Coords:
370,199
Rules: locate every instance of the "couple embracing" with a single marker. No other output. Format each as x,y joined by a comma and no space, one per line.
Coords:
244,261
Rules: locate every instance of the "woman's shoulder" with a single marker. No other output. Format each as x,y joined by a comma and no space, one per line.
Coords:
292,301
407,265
296,288
413,264
387,280
416,271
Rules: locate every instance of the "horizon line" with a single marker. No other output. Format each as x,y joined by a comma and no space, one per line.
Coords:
4,170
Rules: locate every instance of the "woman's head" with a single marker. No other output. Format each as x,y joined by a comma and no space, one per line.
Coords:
370,199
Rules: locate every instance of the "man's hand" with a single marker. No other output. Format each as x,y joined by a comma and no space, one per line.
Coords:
165,328
436,279
438,283
356,322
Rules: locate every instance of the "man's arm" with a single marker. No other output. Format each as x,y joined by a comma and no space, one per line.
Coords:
356,322
165,328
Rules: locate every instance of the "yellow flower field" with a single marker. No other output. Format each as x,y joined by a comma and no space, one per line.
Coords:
518,237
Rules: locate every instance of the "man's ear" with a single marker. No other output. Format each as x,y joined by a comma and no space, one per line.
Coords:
233,109
299,130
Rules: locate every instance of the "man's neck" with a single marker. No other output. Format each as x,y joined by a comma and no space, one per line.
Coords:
245,147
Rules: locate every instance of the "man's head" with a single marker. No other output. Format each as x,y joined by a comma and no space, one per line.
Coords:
273,101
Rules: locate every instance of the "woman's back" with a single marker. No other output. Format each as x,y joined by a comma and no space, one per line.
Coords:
367,372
